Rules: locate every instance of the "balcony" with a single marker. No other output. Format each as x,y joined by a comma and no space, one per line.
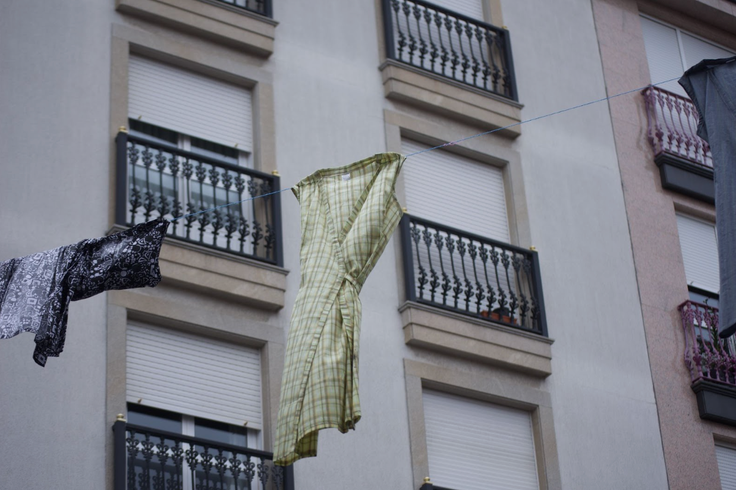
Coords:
262,7
160,180
472,276
684,159
711,361
147,459
451,45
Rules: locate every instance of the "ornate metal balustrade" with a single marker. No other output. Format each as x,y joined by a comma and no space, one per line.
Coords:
707,356
159,180
450,44
147,459
672,127
262,7
472,275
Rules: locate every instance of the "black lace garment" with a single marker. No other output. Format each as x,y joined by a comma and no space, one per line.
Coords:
35,290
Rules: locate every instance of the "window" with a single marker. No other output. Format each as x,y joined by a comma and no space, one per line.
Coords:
193,385
671,51
726,457
698,241
190,148
476,445
190,103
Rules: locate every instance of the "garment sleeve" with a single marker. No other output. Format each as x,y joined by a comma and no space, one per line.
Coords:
124,260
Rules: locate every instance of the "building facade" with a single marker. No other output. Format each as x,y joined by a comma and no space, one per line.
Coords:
503,343
667,178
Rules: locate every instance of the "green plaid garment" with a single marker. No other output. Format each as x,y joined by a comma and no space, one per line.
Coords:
347,217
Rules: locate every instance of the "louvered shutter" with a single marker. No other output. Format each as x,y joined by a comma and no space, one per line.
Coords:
190,103
194,375
726,458
699,252
470,8
696,50
475,445
663,54
455,191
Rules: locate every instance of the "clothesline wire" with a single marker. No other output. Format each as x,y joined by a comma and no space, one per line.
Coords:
451,143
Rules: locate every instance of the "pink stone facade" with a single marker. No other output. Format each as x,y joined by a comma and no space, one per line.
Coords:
688,441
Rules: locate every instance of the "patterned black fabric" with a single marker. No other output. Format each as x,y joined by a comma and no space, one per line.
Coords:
35,290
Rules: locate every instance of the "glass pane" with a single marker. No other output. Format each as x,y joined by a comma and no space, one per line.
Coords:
154,418
207,148
220,432
154,132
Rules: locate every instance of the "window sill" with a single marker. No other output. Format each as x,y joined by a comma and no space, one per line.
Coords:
228,25
433,92
208,271
716,402
484,341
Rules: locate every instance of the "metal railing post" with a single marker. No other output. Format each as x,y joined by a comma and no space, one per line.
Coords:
509,59
388,28
119,455
538,292
406,254
121,175
276,210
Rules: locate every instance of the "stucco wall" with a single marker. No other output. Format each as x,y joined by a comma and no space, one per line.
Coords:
54,80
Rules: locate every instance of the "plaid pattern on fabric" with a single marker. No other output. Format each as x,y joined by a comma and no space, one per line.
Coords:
348,215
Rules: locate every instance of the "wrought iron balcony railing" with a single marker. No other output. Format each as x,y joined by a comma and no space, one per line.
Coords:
707,356
672,127
157,179
147,459
441,41
262,7
472,275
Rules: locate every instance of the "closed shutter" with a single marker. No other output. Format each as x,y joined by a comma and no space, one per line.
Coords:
194,375
726,457
470,8
190,103
663,54
699,253
696,50
455,191
475,445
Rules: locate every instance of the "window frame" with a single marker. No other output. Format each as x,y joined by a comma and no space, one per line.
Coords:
494,387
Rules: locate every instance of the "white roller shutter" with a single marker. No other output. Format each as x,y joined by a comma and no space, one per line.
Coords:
475,445
726,457
696,50
455,191
194,375
663,54
470,8
190,103
699,252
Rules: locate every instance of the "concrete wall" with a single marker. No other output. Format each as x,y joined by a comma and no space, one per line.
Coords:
595,413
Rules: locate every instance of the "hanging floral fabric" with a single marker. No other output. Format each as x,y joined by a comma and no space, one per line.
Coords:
347,217
35,290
